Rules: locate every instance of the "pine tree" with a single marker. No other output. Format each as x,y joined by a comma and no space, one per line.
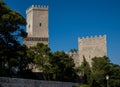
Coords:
11,23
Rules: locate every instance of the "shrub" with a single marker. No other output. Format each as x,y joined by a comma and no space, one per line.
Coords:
84,85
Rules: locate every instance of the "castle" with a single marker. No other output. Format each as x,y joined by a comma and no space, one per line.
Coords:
37,29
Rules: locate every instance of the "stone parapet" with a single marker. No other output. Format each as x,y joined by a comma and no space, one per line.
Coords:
15,82
37,7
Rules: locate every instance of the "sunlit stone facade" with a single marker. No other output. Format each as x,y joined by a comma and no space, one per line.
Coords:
37,25
90,47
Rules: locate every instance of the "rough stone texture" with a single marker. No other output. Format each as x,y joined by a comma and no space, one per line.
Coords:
37,25
90,47
15,82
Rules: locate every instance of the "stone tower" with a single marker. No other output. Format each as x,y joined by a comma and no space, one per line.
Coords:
90,47
37,25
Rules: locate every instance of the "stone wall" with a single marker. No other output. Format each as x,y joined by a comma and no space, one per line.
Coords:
90,47
15,82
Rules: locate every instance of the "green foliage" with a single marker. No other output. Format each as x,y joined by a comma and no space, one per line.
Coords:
73,50
54,66
85,71
1,1
40,56
24,60
100,68
114,75
84,85
62,67
10,30
40,53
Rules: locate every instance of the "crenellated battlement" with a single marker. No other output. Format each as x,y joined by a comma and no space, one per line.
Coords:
92,37
37,7
90,47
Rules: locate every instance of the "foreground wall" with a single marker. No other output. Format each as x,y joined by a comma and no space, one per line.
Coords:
15,82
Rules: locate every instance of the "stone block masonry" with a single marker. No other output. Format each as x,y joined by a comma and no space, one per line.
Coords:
90,47
15,82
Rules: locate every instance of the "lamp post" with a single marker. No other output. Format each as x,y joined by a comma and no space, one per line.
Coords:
107,78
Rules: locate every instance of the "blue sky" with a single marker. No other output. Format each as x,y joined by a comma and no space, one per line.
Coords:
70,19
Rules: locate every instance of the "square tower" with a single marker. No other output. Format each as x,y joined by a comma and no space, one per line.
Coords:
37,25
91,47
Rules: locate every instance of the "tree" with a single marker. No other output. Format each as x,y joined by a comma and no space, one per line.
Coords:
85,71
100,68
10,30
40,55
62,67
73,50
24,60
114,75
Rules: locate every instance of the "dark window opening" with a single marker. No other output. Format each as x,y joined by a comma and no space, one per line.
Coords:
40,24
29,26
